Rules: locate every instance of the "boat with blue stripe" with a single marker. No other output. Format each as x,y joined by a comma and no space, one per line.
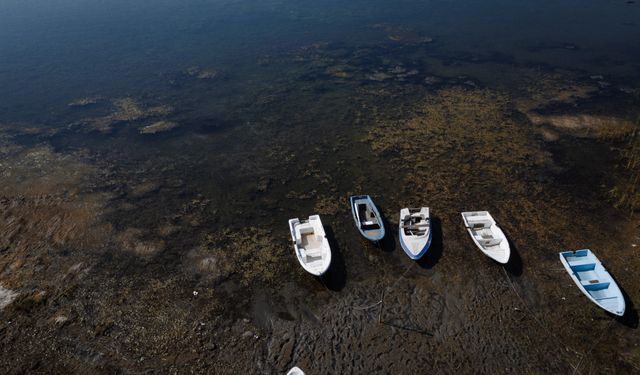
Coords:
594,280
415,231
366,217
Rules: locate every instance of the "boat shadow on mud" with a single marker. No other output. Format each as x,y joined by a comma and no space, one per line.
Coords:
514,265
630,317
388,242
336,276
433,254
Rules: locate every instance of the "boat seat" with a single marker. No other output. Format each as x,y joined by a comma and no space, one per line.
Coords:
314,252
305,228
368,223
310,255
582,265
479,225
594,284
489,241
421,225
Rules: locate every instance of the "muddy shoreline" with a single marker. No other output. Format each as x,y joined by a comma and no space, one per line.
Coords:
147,233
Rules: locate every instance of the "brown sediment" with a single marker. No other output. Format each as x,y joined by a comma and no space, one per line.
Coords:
47,208
327,205
626,193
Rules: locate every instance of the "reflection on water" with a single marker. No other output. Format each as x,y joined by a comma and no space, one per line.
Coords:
153,151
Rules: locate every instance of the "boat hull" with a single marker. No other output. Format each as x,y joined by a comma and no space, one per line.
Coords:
489,238
593,280
421,253
373,234
415,220
311,245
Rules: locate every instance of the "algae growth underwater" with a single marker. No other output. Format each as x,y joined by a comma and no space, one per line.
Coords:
152,152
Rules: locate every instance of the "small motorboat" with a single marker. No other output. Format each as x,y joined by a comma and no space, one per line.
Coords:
295,371
310,244
593,280
415,231
367,218
487,235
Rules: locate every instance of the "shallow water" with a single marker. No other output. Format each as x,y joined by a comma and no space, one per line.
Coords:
278,109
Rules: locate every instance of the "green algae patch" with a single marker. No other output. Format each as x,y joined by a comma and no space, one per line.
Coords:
459,138
536,88
468,149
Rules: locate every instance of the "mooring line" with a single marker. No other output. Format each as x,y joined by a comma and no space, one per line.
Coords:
593,346
582,356
384,291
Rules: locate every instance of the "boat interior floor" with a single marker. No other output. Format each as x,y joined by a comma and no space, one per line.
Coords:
310,241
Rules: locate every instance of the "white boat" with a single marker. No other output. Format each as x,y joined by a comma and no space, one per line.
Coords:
295,371
415,231
310,244
593,280
487,235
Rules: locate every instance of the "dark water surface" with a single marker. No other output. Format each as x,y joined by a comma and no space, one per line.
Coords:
153,149
56,51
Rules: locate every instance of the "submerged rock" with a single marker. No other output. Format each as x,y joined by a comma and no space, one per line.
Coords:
60,320
207,73
159,127
124,110
6,297
131,240
83,102
378,76
143,189
432,80
585,125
